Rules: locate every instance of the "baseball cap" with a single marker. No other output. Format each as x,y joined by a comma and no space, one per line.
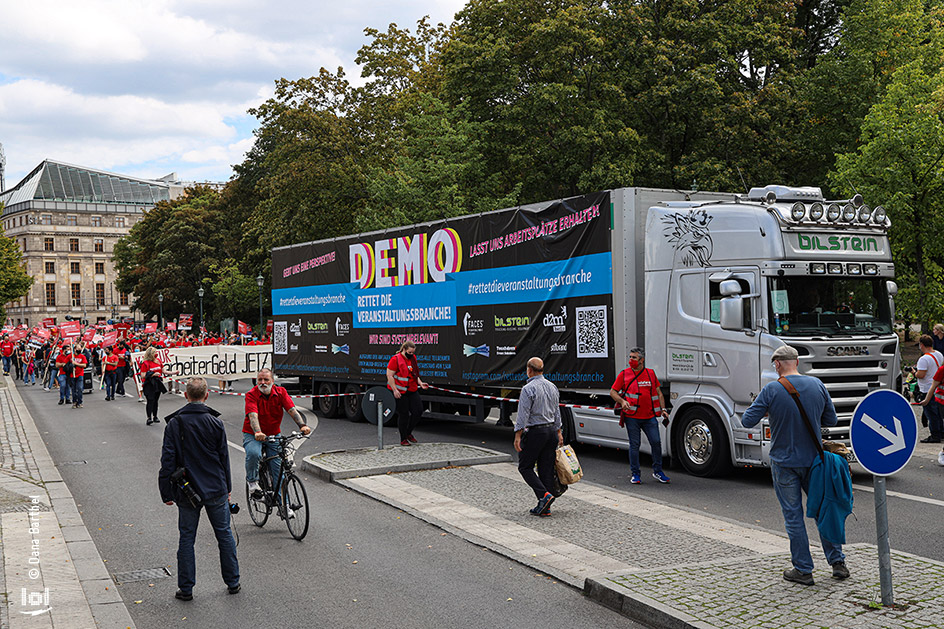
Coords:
784,352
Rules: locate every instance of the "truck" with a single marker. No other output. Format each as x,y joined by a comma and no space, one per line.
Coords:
708,284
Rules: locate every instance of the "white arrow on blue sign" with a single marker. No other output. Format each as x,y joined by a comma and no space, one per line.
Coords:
883,432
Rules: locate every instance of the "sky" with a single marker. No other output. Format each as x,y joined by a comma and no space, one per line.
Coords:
146,88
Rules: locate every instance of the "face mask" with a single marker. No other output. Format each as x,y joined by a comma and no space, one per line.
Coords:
633,363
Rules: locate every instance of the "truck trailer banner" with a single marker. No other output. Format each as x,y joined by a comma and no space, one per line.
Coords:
479,295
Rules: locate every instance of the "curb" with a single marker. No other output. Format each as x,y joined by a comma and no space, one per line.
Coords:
107,607
325,472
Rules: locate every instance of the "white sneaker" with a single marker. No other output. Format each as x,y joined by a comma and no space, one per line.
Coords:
255,490
289,514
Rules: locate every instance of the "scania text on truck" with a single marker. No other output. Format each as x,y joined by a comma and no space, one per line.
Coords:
708,283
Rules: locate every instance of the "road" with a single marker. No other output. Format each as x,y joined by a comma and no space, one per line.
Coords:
363,563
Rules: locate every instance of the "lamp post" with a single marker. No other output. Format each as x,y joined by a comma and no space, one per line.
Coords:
259,282
160,304
200,293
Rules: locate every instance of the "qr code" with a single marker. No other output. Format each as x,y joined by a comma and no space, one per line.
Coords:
280,337
592,341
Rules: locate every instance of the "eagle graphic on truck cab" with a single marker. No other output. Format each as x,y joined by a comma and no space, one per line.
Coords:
690,235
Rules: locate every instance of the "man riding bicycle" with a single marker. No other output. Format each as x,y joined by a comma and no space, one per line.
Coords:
264,406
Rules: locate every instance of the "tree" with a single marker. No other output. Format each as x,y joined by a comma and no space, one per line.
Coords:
235,292
15,282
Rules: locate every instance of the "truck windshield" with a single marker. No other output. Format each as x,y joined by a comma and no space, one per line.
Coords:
829,306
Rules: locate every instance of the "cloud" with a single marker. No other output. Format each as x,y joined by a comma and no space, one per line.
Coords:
164,85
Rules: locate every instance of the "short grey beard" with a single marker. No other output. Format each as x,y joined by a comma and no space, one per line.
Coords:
266,389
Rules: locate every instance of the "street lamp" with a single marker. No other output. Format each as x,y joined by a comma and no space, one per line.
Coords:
160,304
259,282
200,293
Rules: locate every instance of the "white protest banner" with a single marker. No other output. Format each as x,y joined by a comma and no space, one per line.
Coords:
219,362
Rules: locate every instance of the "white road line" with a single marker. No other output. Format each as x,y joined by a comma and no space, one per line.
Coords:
233,445
898,494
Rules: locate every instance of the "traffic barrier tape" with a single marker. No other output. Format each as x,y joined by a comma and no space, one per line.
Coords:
511,399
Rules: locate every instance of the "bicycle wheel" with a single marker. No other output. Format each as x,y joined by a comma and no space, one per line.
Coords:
295,498
259,508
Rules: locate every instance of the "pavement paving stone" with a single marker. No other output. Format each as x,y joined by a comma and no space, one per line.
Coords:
369,461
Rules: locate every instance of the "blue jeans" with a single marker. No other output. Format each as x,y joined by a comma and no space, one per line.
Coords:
120,380
935,424
6,364
788,482
65,387
651,428
217,510
254,455
110,379
28,376
78,386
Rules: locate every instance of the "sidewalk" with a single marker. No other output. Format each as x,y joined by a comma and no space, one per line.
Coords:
662,565
51,574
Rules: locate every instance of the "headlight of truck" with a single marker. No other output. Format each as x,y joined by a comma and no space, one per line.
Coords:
817,268
798,211
854,268
878,215
870,269
865,213
848,213
816,211
834,268
833,212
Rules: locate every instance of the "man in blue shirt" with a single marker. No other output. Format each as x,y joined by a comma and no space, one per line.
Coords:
792,452
538,433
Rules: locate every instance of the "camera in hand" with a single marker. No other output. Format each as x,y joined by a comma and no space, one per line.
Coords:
179,477
234,508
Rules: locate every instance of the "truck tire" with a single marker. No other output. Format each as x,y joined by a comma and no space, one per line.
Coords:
352,403
701,442
327,407
567,425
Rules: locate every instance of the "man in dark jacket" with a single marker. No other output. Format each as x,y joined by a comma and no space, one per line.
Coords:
195,439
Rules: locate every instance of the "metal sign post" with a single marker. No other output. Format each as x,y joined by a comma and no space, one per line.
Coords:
883,444
380,426
378,407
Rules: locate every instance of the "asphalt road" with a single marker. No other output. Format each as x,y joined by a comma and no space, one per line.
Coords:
363,563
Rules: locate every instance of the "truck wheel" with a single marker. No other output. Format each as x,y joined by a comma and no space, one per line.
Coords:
327,407
701,442
352,403
567,425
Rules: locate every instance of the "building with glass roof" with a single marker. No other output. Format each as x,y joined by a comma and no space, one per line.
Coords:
66,220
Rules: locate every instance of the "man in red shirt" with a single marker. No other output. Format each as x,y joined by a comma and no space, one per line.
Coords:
64,366
638,392
264,405
403,378
79,363
6,351
121,351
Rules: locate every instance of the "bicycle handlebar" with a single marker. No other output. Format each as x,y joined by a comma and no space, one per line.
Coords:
282,438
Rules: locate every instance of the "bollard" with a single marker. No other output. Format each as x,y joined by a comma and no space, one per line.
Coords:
380,425
884,551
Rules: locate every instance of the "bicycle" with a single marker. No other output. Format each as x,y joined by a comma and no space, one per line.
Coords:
291,493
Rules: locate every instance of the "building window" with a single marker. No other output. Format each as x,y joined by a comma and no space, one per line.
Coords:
24,244
50,294
99,245
50,267
74,268
76,295
49,244
45,219
119,221
123,299
72,220
73,244
99,295
99,268
96,221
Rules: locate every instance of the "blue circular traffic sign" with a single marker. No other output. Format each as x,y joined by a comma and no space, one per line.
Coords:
883,432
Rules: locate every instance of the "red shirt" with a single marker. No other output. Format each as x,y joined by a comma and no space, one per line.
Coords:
150,365
120,353
269,408
6,348
63,358
111,362
405,370
646,385
78,365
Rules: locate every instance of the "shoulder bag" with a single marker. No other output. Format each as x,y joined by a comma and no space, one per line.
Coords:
179,477
618,411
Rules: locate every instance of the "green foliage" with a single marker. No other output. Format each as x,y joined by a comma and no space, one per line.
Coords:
236,293
15,282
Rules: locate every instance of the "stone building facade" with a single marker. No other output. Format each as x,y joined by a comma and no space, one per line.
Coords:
66,220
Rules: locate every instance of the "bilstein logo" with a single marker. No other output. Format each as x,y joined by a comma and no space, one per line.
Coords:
472,326
316,327
340,329
512,323
837,243
556,322
854,350
481,350
296,328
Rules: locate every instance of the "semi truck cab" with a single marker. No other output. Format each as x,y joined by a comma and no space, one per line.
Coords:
727,282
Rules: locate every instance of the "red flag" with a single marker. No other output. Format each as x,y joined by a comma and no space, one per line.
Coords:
269,326
17,335
70,329
150,328
171,326
243,327
89,335
49,322
110,338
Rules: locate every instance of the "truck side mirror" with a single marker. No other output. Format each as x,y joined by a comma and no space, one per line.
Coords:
730,288
732,313
892,288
